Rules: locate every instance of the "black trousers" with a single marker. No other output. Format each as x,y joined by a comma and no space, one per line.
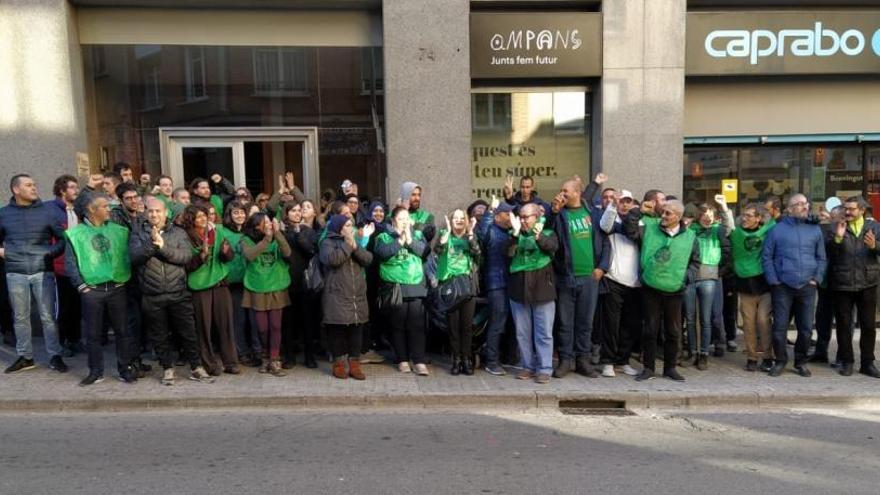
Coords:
730,300
663,311
98,304
302,322
621,321
169,321
824,321
461,330
408,331
865,302
345,339
69,312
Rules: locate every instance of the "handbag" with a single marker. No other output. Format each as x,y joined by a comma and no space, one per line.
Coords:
455,292
313,276
390,297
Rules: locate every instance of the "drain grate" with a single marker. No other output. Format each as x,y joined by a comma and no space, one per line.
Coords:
595,407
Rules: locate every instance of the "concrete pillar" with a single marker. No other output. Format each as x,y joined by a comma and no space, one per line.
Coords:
42,122
641,98
427,100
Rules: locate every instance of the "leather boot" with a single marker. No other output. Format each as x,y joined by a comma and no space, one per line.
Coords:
467,366
354,366
339,369
456,366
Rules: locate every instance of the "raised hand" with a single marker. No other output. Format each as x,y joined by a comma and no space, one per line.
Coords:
282,188
647,207
871,240
369,229
444,237
600,178
558,201
472,225
538,228
840,230
722,203
516,224
508,187
216,178
495,202
289,181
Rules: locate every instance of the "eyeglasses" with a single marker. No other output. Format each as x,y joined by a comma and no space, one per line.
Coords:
130,197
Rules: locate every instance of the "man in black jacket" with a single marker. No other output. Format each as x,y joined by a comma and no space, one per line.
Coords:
159,253
853,275
27,230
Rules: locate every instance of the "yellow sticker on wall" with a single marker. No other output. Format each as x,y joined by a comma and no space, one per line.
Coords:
729,187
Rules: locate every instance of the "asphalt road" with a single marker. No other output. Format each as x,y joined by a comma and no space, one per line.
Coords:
279,452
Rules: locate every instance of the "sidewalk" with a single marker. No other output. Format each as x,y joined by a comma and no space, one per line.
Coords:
724,385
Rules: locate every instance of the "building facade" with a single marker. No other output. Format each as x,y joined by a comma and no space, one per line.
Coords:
759,97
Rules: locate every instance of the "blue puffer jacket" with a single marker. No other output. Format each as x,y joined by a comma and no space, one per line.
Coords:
494,242
27,232
794,253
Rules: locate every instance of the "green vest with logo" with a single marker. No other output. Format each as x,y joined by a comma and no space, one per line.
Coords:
268,272
710,244
665,259
529,256
404,267
212,271
456,260
746,247
101,252
217,202
237,265
421,217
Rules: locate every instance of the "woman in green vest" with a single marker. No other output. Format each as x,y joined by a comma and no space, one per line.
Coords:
747,242
266,279
212,301
401,251
701,292
457,254
247,339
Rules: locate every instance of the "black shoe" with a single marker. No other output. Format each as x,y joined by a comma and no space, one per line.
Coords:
583,367
870,370
310,361
703,362
562,368
818,358
846,369
719,351
494,369
128,375
467,367
646,374
766,365
92,379
672,374
455,370
776,369
803,371
141,366
57,364
751,365
288,363
21,364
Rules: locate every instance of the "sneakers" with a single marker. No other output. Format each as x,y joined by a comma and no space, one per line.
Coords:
128,374
200,375
766,365
92,379
494,369
525,375
731,346
608,371
275,368
21,364
57,364
629,370
542,378
371,357
421,369
168,377
404,367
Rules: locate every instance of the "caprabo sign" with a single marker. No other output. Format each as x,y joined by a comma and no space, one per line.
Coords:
735,43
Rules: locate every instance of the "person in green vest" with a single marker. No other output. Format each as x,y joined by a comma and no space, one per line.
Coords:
266,280
164,190
458,252
669,258
212,301
422,220
247,339
218,192
703,290
98,264
531,289
755,304
179,201
401,252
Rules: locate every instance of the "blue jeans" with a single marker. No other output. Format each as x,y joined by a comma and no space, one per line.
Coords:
498,309
42,286
801,302
576,306
534,334
700,294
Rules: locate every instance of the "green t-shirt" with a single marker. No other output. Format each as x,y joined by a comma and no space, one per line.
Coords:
580,240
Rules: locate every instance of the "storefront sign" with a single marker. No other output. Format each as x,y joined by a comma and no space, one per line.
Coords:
559,44
737,43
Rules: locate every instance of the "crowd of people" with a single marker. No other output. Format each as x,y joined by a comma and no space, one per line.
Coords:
213,278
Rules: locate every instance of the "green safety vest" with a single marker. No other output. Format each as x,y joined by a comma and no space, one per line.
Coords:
456,260
217,201
710,244
529,256
404,267
237,265
268,272
665,259
212,272
421,217
746,247
101,252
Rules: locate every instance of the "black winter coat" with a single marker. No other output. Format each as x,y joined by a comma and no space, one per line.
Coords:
27,233
851,265
345,286
160,271
303,246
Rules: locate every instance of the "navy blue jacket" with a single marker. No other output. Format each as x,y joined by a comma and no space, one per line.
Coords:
517,202
494,242
27,233
794,253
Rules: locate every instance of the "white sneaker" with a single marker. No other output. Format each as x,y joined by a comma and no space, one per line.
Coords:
608,370
403,367
629,370
200,375
422,370
168,377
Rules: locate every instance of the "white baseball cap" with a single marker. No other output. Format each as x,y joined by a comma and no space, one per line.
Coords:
625,194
